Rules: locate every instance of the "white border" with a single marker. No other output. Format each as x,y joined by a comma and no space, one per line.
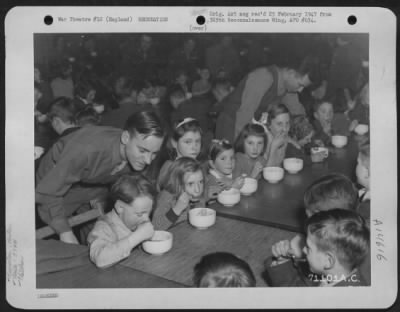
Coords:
22,22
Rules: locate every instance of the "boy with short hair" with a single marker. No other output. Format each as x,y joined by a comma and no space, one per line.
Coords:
328,192
127,225
337,243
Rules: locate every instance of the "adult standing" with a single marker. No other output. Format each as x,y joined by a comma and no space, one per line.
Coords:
256,93
80,165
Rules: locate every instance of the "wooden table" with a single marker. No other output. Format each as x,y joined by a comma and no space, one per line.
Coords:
251,242
281,205
89,276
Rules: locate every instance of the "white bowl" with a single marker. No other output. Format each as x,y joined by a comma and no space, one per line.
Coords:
229,197
339,140
154,100
293,165
202,218
249,186
160,243
273,174
361,129
98,108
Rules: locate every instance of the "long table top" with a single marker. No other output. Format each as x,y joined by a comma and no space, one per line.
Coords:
250,242
281,205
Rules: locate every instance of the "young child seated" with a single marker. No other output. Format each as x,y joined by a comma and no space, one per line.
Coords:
202,85
221,160
223,269
185,142
363,177
250,147
326,123
337,243
127,225
180,189
328,192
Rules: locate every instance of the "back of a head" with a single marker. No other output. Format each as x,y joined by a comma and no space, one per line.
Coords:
342,232
146,123
330,191
63,108
223,269
87,116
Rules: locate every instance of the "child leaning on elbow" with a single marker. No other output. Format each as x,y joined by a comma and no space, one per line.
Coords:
127,225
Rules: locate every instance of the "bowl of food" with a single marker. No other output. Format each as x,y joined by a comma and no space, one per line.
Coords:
339,141
99,108
160,243
318,154
293,165
249,186
273,174
229,197
202,218
154,100
361,129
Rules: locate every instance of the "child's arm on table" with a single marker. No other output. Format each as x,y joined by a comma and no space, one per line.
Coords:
106,250
168,209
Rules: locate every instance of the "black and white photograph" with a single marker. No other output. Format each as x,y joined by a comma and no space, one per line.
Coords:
167,163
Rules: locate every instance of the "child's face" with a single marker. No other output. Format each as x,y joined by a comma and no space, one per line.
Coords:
205,74
280,124
306,139
136,212
194,183
181,79
316,259
188,145
362,173
324,113
225,162
253,146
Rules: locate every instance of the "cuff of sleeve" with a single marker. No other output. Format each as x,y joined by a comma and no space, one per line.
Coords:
171,216
60,225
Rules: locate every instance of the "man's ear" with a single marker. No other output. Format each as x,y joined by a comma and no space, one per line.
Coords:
329,260
125,137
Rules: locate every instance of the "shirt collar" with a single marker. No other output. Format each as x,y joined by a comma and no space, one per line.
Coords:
218,175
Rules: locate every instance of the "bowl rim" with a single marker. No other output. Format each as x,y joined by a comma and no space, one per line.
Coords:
231,191
273,168
213,211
